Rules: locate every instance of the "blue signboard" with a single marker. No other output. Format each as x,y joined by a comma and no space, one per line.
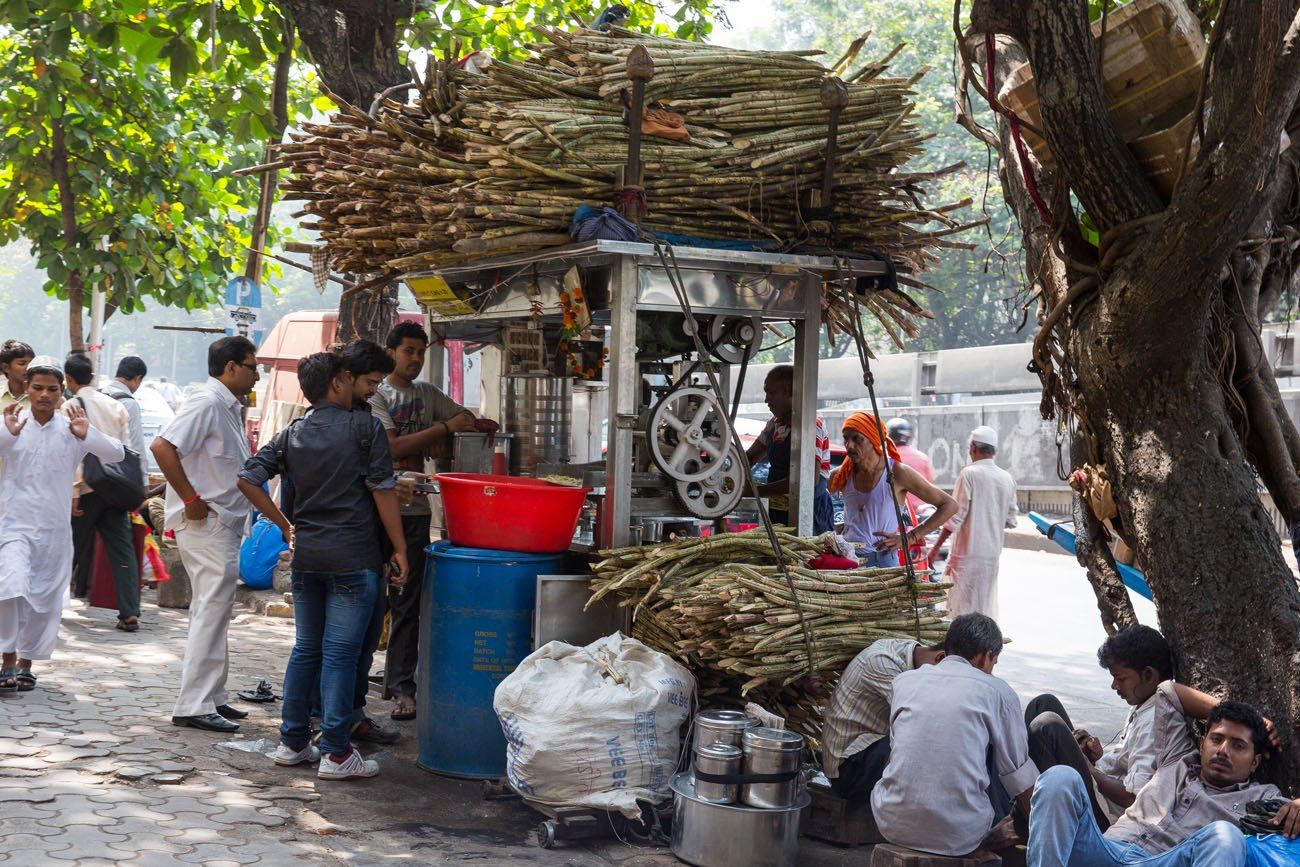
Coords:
244,308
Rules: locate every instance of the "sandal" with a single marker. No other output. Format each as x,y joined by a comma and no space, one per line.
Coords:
8,680
130,624
405,710
26,680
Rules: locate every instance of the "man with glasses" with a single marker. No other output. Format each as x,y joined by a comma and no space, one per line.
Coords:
199,452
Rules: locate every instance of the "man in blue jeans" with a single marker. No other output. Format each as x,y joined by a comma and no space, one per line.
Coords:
1185,816
338,488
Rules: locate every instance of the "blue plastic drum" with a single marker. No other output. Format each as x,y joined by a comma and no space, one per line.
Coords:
476,623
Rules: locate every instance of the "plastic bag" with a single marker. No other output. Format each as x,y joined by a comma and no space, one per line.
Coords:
259,553
1273,850
596,726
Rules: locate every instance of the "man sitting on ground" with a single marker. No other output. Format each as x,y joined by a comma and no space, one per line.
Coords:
959,751
1141,667
856,729
1186,816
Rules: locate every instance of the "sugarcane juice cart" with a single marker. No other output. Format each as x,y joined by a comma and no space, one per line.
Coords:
669,451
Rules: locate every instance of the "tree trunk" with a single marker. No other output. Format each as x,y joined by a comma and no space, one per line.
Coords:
352,44
368,314
1151,343
68,213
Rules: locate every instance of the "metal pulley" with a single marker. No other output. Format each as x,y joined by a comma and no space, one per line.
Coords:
735,339
688,434
717,495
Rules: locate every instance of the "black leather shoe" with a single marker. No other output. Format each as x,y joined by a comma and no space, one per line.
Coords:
231,712
212,722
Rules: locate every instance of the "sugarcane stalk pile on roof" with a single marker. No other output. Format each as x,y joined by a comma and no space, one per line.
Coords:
497,162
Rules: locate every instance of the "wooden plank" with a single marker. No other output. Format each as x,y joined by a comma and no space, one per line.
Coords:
891,855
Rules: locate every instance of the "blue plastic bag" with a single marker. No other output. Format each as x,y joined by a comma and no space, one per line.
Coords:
259,554
1273,850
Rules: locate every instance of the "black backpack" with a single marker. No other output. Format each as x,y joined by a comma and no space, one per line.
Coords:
119,484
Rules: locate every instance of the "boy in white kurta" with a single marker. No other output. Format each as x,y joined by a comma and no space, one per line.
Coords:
41,450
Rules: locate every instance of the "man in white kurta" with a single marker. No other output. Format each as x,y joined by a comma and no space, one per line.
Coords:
986,508
42,450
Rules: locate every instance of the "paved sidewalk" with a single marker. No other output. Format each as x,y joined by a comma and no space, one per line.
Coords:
92,771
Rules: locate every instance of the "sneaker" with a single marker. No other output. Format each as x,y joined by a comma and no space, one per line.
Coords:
288,758
353,767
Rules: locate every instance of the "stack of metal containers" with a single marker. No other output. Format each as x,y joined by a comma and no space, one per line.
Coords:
739,805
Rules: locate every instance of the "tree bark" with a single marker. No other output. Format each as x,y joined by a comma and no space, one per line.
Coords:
1161,363
368,314
353,44
68,215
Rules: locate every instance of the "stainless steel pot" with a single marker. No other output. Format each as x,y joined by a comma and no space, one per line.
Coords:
732,835
722,727
717,759
771,751
536,409
470,452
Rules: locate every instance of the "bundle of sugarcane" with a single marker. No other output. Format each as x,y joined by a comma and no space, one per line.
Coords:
721,603
498,163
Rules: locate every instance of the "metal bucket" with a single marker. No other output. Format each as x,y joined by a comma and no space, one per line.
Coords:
732,835
717,759
771,751
722,727
536,407
471,453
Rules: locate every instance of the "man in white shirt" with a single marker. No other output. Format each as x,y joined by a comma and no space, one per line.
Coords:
42,449
986,508
200,452
959,750
855,731
131,372
92,515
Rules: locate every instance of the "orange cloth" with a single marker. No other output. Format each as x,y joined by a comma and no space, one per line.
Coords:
870,427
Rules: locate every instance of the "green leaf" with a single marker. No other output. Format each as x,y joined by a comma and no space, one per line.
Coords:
16,11
107,36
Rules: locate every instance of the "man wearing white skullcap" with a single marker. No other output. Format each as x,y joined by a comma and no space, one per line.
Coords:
986,507
41,449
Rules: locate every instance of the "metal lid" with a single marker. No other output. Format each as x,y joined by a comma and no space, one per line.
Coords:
765,738
722,752
724,719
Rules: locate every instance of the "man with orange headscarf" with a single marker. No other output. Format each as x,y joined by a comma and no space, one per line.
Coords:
870,508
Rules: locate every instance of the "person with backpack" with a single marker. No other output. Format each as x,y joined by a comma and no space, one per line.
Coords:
131,372
95,513
338,488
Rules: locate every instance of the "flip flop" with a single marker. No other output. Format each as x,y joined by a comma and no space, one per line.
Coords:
26,680
8,680
403,712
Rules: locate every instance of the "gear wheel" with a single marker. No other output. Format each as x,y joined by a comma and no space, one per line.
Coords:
718,494
688,434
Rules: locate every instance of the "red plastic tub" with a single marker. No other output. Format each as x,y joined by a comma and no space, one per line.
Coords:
510,513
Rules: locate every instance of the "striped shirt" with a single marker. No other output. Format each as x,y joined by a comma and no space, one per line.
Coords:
858,713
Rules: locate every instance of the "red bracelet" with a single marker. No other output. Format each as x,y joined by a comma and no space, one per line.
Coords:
193,499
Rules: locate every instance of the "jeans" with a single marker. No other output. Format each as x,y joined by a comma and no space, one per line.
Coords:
332,611
364,662
1063,833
